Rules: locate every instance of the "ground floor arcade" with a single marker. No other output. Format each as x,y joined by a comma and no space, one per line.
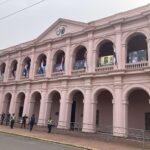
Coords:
100,109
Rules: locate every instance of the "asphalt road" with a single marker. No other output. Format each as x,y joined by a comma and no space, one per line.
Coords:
13,142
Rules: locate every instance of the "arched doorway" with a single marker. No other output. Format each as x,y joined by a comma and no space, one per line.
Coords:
53,106
6,103
104,111
76,118
19,105
138,109
35,105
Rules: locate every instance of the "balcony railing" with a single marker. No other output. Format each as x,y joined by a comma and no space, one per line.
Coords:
136,66
104,68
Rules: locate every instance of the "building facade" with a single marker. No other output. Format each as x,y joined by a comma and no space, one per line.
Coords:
89,76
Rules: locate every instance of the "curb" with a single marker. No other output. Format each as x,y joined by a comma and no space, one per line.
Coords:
48,140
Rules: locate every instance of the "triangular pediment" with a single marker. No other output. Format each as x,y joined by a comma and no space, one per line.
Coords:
60,28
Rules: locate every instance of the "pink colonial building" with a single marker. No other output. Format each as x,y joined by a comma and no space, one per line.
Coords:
91,76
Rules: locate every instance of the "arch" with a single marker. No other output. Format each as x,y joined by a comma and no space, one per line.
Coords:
13,68
52,92
58,61
138,108
19,105
72,91
99,89
35,103
35,92
79,58
26,63
6,102
129,89
101,40
2,69
41,63
127,35
136,47
105,53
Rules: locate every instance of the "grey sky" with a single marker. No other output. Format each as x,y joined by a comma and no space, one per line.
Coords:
30,23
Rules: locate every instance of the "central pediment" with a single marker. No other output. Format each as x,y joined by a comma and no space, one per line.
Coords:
60,28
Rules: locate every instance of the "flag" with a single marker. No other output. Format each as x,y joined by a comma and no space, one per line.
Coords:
115,56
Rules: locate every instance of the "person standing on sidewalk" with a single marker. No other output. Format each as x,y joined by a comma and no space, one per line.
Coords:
32,122
12,121
23,124
2,118
49,125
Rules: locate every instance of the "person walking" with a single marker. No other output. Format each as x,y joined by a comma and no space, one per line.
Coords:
12,121
23,124
49,125
32,122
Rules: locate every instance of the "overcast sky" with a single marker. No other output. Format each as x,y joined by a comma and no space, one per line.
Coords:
30,23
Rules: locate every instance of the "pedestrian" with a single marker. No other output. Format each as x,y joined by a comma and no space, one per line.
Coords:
7,119
32,122
23,124
12,121
49,124
2,118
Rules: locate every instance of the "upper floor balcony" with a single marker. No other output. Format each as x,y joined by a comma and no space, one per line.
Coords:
134,57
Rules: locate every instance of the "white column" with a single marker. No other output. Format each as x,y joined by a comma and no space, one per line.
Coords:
90,53
62,121
33,64
118,45
118,129
68,64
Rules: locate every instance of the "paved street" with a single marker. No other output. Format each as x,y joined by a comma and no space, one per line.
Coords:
14,142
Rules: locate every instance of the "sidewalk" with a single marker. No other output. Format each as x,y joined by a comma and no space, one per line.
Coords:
69,140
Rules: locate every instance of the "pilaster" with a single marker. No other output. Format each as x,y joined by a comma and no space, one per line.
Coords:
33,63
41,120
87,117
90,53
68,63
18,71
118,45
49,62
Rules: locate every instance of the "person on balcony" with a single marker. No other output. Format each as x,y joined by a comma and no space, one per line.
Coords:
13,72
62,63
26,70
85,60
42,67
